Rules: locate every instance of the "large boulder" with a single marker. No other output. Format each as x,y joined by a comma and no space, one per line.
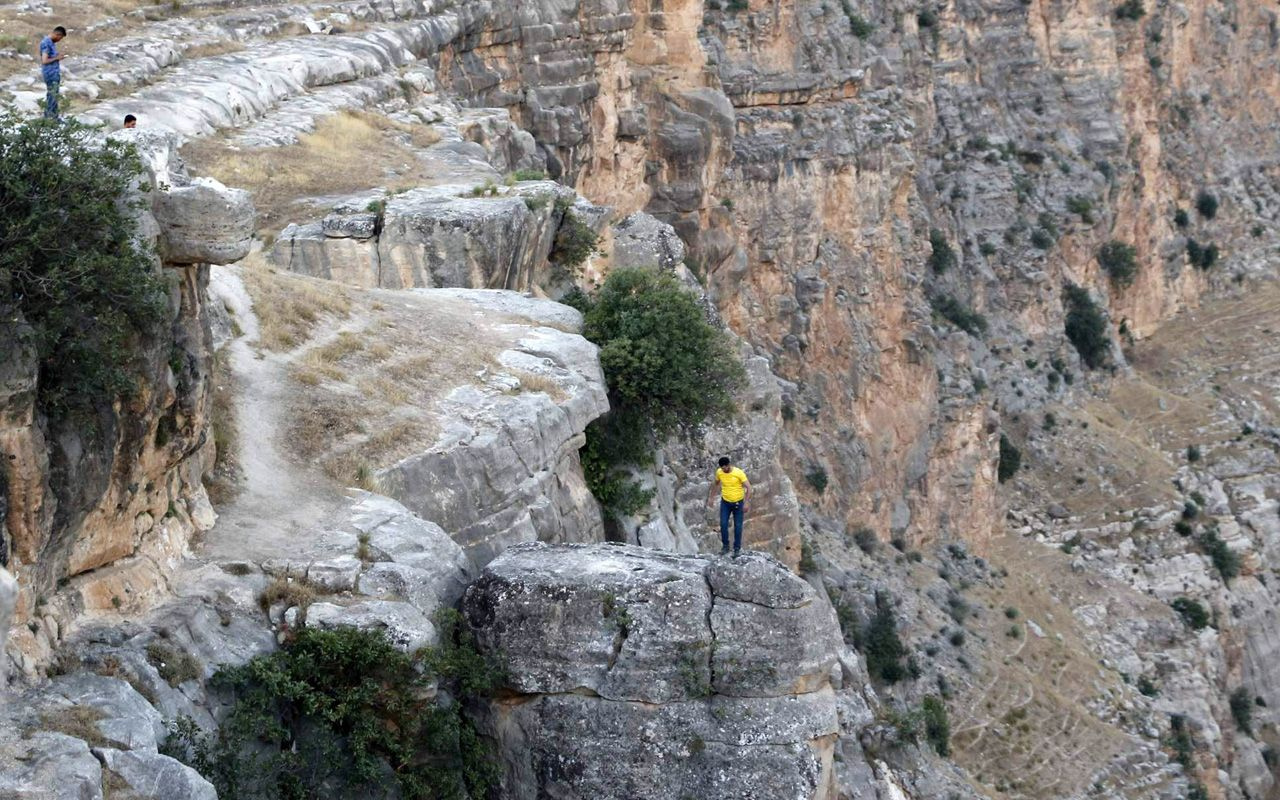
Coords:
646,674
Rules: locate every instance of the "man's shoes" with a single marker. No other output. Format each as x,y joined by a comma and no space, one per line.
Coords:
724,551
737,553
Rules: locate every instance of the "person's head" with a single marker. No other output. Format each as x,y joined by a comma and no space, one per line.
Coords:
130,121
725,463
58,33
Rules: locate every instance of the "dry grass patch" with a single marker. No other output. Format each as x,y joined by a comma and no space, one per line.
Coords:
366,145
532,382
288,306
222,482
290,591
210,49
79,721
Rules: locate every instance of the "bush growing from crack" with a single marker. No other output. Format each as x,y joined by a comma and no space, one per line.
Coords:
880,644
1086,328
1241,703
1010,459
1119,261
1193,613
958,314
942,257
344,713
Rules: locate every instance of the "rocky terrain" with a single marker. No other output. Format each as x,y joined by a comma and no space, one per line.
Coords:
1000,276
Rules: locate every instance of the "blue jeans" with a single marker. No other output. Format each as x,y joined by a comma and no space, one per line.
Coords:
51,99
727,508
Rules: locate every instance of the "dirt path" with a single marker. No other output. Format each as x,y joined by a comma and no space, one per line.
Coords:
281,505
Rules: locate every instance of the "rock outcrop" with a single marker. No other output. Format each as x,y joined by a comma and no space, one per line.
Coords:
649,675
121,497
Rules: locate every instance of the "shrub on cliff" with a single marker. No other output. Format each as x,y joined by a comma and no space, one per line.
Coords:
958,314
942,257
69,261
574,242
344,713
667,368
1193,613
1130,9
1086,328
1207,204
1202,256
880,645
1242,709
1119,261
1010,459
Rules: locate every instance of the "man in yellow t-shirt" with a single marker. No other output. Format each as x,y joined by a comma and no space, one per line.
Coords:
735,490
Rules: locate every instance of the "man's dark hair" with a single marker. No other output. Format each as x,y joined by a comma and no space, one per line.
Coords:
724,461
129,118
60,30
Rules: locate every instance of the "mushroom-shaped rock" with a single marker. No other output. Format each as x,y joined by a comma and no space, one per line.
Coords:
204,223
647,674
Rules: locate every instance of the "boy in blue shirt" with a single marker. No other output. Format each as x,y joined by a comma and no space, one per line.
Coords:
51,70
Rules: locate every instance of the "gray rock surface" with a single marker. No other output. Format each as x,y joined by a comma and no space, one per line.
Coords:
640,240
404,625
156,777
646,674
49,766
8,596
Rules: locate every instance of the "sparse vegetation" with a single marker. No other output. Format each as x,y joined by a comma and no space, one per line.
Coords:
80,721
575,241
937,726
1225,560
858,26
958,314
1010,459
866,540
1130,10
1207,204
344,713
880,644
1086,328
1180,741
1192,612
667,369
289,306
1119,261
529,175
1081,206
817,479
175,665
1241,703
1181,218
1193,453
942,257
1202,256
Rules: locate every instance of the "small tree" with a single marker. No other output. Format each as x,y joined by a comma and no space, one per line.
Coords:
1242,709
937,727
1010,459
1119,261
1192,613
1207,204
70,262
880,644
667,369
942,257
1086,328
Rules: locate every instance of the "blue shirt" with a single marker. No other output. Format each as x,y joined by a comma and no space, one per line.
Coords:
51,72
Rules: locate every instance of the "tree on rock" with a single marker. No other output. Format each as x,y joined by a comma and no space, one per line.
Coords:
667,368
70,265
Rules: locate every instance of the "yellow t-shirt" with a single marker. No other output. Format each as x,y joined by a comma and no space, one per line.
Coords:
731,484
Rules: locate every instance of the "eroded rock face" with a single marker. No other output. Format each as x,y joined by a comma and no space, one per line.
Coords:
82,499
651,675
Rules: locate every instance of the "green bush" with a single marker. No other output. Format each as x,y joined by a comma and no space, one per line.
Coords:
529,175
1130,9
1147,687
880,644
1181,218
1224,559
866,540
1207,204
927,18
574,242
1042,239
1242,709
1192,612
1082,206
1119,261
937,727
1010,459
69,264
1086,328
942,257
958,314
667,369
817,478
344,713
1202,256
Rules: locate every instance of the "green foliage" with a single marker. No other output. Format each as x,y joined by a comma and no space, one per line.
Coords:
1224,559
1184,749
344,713
1181,218
808,564
175,665
937,727
667,369
1042,239
958,314
867,541
1207,204
1193,453
927,18
880,645
1010,459
574,243
942,257
1082,206
1086,328
1242,709
817,478
529,175
69,263
1130,9
1192,612
1202,256
1147,687
858,26
1119,261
